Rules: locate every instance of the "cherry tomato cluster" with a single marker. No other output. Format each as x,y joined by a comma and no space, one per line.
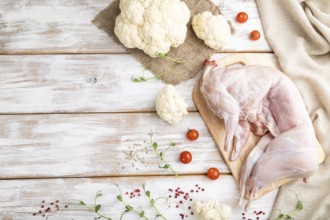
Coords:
186,157
242,17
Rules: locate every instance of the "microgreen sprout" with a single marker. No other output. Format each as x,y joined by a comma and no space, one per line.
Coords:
96,207
153,202
129,208
142,78
298,208
169,57
161,154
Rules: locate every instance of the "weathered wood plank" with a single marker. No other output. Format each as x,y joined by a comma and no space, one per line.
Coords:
80,145
80,83
240,42
21,198
64,26
77,83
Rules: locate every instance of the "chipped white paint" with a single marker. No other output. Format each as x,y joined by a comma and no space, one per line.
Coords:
64,26
99,144
21,198
80,83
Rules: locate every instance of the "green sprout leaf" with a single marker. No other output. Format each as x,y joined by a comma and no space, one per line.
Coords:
289,216
97,208
155,145
98,194
299,205
141,78
166,166
129,208
120,198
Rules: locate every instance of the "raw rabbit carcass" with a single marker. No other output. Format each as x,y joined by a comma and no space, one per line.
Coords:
262,100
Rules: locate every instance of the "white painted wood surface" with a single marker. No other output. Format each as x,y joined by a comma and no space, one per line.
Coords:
77,114
81,83
20,199
64,26
75,145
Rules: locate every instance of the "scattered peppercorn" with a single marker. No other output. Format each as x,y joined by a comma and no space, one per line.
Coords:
177,194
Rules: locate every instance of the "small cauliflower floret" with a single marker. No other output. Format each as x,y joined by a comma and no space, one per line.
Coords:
214,30
212,210
156,25
170,105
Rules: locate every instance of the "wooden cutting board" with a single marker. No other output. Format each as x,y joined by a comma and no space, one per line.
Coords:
216,125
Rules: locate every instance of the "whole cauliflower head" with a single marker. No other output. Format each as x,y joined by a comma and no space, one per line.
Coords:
170,105
212,210
151,25
214,30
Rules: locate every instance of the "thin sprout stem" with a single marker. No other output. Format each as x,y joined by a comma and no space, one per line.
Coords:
143,79
171,145
125,204
153,204
93,210
162,157
168,57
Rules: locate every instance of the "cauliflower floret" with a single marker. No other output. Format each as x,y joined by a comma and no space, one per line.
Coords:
152,26
214,30
212,210
170,105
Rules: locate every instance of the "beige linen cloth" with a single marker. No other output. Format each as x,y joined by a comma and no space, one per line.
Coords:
299,33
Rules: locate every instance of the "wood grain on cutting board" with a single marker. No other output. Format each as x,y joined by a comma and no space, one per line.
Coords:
217,128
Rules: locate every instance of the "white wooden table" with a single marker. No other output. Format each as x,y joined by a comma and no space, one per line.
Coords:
71,118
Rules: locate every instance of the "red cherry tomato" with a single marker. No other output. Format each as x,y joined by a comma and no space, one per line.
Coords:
185,157
255,35
192,134
213,173
242,17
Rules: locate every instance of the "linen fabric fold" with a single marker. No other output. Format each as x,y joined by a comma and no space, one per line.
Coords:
299,34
